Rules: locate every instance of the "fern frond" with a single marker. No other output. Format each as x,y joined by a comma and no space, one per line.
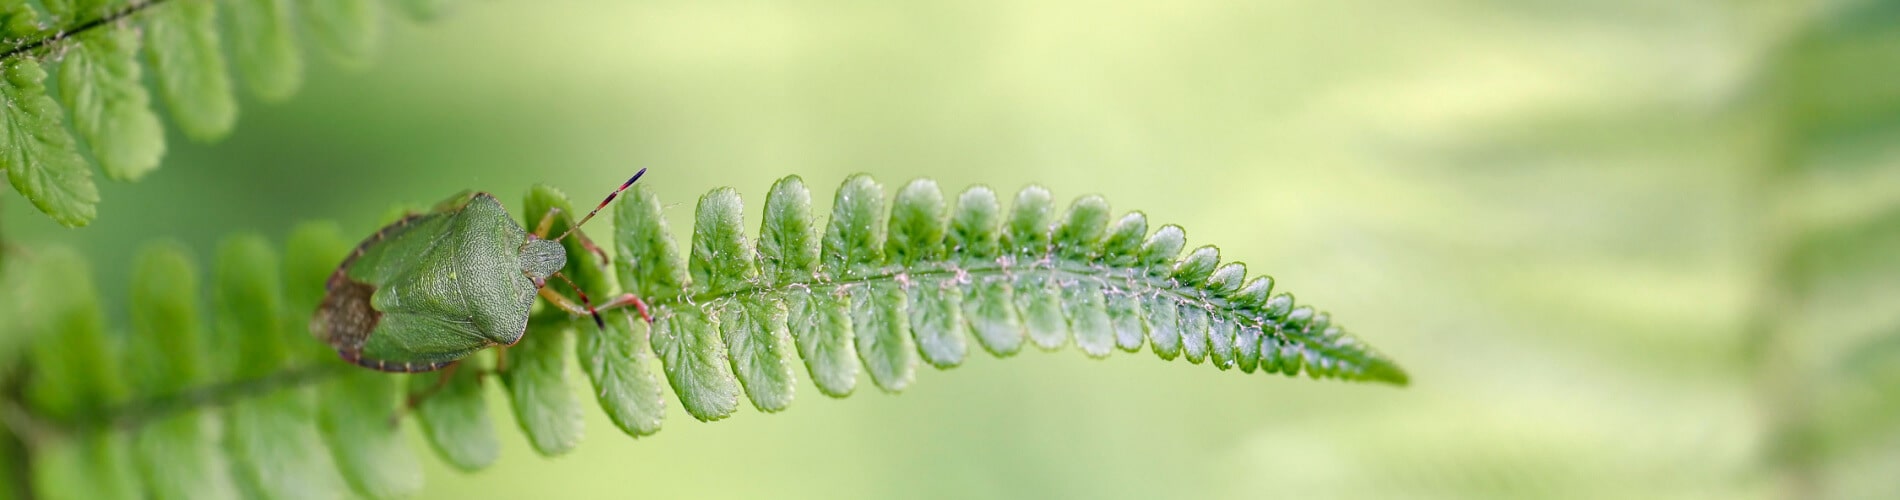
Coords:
97,45
264,48
898,285
886,285
1828,152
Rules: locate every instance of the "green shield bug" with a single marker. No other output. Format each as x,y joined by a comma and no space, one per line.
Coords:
432,288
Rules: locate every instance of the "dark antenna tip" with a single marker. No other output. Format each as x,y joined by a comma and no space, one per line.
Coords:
603,204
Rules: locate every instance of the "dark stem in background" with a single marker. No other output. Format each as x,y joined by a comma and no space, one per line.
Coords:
1778,390
138,413
18,424
12,447
63,34
21,486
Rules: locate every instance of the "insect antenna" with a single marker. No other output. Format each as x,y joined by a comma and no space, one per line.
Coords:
603,204
584,302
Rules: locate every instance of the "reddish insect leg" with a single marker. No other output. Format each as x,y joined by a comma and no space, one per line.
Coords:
628,299
583,308
624,300
588,243
415,398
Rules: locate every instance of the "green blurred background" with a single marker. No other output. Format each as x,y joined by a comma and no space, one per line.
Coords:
1564,218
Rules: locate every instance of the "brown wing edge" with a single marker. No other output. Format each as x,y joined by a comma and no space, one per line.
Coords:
345,319
356,358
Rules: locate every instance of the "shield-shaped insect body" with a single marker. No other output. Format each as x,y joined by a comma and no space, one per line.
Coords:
433,288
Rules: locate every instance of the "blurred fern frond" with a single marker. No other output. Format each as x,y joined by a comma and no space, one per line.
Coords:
97,110
1829,226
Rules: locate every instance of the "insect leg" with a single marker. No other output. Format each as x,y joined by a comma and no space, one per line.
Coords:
415,398
588,243
562,302
585,307
628,299
546,225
